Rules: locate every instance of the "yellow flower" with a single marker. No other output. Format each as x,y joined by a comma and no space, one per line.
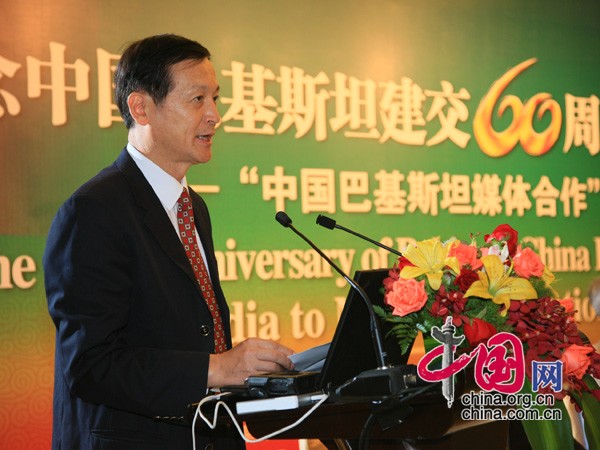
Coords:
495,283
429,257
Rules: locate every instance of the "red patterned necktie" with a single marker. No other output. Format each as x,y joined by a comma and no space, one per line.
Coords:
187,231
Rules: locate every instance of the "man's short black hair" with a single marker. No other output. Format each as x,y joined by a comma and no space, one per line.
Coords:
145,66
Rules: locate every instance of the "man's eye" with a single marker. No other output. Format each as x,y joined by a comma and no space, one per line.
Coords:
216,98
199,98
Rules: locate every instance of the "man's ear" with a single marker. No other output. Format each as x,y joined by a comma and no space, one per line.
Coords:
139,104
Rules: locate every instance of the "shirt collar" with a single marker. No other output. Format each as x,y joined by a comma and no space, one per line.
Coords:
167,188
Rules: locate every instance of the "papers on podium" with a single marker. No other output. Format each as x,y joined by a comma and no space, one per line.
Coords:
311,360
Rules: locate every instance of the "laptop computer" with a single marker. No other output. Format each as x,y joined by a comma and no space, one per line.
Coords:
351,351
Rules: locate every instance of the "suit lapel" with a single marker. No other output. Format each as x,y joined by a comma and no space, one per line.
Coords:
154,217
161,227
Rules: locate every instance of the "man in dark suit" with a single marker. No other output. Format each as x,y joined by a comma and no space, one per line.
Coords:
142,323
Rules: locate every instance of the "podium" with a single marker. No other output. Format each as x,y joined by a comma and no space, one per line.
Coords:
423,422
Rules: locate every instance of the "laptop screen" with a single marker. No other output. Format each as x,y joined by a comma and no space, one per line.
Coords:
352,350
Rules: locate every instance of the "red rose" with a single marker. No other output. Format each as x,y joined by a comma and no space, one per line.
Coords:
478,331
505,233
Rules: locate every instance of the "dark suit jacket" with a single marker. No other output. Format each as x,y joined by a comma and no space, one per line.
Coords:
133,332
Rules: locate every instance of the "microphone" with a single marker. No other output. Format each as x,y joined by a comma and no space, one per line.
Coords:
384,380
285,221
329,223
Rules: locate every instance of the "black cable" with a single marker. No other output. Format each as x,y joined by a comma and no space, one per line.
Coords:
363,442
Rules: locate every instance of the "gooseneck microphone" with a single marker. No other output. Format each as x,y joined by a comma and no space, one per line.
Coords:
329,223
375,384
285,221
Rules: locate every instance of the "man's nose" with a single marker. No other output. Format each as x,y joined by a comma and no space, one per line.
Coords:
212,113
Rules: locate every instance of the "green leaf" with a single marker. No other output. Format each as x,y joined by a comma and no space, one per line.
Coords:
379,311
548,434
591,414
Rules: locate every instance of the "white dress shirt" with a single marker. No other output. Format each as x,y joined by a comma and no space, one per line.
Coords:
167,189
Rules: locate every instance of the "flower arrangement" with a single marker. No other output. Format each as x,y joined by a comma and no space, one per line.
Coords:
501,285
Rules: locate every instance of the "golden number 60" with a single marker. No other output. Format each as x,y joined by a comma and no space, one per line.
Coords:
499,143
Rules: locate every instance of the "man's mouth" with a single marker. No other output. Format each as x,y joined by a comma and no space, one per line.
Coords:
205,137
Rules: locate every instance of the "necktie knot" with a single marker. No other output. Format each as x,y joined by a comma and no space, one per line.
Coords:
185,202
185,218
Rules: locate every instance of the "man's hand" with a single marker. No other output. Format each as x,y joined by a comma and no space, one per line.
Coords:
250,357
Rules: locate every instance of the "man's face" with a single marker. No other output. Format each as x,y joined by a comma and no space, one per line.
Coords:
183,125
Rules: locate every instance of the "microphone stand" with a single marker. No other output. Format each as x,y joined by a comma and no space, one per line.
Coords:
329,223
285,220
383,381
